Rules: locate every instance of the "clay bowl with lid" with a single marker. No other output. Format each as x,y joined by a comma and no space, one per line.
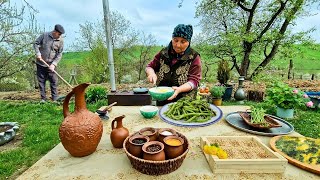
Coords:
164,132
150,132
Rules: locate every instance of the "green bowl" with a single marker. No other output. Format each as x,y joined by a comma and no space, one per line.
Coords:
161,93
148,111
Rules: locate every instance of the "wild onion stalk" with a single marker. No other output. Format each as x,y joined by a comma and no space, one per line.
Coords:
257,115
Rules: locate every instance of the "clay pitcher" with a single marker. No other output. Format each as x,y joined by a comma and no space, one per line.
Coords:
81,131
118,133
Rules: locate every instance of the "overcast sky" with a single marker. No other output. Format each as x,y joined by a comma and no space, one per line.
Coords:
157,17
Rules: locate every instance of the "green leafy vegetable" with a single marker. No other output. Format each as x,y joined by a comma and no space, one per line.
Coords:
190,110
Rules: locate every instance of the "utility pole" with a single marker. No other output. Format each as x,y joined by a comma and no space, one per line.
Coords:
106,14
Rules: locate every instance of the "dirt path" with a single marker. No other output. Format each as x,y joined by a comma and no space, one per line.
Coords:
27,95
34,95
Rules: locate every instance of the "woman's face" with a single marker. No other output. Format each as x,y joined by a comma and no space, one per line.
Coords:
179,44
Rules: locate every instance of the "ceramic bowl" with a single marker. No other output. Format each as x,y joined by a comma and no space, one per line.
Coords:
164,132
151,132
161,93
8,131
173,146
148,111
154,151
135,145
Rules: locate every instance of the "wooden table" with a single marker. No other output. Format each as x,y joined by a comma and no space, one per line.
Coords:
110,163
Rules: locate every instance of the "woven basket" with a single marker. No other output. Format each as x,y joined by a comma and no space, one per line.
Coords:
270,122
156,167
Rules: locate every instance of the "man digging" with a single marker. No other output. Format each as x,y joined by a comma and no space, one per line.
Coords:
48,47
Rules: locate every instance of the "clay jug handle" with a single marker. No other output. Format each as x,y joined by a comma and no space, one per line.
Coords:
112,124
66,111
118,120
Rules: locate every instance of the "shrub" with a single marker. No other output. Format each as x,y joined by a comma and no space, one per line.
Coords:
95,93
223,73
284,96
217,91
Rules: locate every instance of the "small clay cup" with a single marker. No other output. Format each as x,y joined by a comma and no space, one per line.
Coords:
173,151
134,148
162,136
152,136
156,155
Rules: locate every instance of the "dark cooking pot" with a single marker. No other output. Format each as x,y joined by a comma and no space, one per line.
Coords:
140,90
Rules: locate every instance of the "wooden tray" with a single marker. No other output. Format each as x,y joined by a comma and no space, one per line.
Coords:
270,122
236,121
272,162
305,166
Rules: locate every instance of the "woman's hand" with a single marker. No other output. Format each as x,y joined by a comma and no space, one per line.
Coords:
175,94
186,87
152,78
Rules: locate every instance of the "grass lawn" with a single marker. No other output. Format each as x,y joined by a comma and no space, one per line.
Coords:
39,124
39,127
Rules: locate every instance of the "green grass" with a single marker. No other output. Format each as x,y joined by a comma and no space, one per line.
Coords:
310,59
39,125
71,58
305,60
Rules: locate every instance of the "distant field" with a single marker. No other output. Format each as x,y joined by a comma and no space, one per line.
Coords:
72,58
309,60
306,60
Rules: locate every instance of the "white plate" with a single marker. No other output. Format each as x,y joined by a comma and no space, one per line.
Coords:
193,124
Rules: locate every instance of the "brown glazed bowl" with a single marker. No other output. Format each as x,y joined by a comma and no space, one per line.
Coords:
150,132
162,136
173,150
154,151
135,147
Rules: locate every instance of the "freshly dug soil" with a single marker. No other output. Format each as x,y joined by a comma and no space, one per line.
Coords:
34,95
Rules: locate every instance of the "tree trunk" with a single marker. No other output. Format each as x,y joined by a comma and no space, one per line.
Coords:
246,59
290,69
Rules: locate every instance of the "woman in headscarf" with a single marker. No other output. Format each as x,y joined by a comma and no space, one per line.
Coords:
177,65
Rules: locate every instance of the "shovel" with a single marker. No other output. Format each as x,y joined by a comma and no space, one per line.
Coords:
57,73
61,97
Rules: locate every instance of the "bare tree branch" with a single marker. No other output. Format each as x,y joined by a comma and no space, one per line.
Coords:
271,21
31,7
